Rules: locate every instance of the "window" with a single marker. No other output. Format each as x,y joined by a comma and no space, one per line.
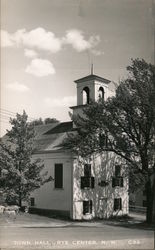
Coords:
87,182
32,201
87,170
117,170
58,176
117,182
85,93
87,207
117,204
103,140
101,93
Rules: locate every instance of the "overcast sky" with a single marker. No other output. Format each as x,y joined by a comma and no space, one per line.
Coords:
47,44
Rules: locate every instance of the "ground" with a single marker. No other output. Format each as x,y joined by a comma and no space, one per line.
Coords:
28,231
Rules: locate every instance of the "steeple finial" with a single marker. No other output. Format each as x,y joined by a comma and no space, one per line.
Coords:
92,69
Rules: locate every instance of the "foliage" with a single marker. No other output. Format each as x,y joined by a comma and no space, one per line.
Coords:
47,120
19,174
50,120
123,124
38,122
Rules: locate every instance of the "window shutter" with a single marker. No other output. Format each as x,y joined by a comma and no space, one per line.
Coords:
84,207
113,182
120,204
58,176
92,182
115,204
82,183
121,181
90,206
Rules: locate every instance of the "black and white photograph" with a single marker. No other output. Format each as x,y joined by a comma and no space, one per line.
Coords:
77,124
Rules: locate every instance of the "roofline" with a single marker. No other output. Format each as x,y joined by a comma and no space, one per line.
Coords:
48,124
61,150
92,77
78,106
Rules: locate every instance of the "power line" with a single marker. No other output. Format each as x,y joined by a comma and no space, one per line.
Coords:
4,117
5,122
8,112
7,118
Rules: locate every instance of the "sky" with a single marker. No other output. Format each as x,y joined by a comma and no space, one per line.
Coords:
48,44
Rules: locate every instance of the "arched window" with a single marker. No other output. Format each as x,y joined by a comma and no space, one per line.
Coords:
101,93
85,93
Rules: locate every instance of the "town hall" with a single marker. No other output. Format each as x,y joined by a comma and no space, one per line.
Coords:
81,189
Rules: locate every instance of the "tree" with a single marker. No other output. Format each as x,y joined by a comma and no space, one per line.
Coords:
37,122
50,120
125,125
47,120
19,174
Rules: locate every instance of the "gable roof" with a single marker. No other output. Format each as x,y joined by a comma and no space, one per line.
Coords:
92,77
50,138
41,129
61,128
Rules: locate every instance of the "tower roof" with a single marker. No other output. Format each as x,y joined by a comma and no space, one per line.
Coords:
92,77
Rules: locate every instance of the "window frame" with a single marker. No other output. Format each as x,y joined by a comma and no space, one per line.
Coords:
87,204
86,92
90,180
119,179
87,172
32,201
103,139
102,92
117,170
117,206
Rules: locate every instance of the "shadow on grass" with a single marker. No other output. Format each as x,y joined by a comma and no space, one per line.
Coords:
51,216
129,222
126,221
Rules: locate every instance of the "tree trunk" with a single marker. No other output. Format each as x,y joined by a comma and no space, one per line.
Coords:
20,197
149,188
153,190
20,202
150,202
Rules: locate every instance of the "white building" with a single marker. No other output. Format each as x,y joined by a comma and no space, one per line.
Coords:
82,188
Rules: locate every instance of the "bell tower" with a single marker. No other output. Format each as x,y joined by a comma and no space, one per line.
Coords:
90,88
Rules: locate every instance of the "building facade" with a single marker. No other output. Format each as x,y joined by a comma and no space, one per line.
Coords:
80,188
